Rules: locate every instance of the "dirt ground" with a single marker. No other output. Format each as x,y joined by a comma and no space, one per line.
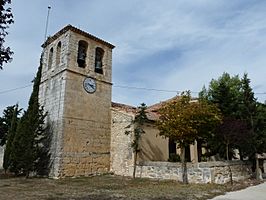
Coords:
109,187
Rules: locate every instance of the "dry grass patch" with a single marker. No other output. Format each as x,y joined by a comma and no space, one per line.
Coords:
107,187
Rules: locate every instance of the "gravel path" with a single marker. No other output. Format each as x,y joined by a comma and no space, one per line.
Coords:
257,192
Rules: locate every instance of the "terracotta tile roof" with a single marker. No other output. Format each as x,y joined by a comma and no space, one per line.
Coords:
152,111
76,30
124,107
157,106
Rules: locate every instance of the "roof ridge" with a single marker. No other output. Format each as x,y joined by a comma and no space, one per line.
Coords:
77,30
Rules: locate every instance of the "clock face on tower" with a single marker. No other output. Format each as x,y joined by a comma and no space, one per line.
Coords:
89,85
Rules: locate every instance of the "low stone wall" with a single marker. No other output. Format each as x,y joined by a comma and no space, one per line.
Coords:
204,172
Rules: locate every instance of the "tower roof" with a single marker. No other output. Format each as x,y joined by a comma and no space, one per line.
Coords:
76,30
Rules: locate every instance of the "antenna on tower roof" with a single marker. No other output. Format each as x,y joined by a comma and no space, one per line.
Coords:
47,21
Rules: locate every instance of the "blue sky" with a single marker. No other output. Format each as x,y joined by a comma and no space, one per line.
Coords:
161,44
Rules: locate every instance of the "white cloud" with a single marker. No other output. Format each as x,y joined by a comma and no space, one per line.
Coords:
168,44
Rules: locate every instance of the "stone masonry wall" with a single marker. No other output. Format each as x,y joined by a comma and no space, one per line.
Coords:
52,95
121,151
87,127
87,117
74,38
204,172
80,122
1,156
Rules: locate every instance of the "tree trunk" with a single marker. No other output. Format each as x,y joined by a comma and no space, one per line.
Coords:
227,151
27,174
230,174
240,154
227,158
135,164
184,165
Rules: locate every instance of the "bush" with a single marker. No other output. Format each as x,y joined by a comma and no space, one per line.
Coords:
173,157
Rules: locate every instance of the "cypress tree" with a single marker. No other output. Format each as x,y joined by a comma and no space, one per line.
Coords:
22,151
5,123
10,136
30,131
43,142
248,112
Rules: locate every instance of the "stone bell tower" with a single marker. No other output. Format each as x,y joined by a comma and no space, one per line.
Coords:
75,90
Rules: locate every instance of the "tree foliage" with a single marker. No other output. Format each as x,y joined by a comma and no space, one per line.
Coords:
5,122
241,116
260,128
186,120
30,140
248,104
11,135
138,123
43,144
224,92
6,18
247,113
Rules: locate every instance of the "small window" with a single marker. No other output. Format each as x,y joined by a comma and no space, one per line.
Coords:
99,60
171,147
58,54
50,60
82,53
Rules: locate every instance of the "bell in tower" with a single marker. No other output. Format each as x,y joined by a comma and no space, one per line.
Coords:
82,53
98,60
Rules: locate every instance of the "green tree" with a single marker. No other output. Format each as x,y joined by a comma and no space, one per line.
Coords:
249,102
186,120
6,18
11,134
228,94
30,130
225,93
43,144
248,113
242,121
5,123
228,135
138,123
260,129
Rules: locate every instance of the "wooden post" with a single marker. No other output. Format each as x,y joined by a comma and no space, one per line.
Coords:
257,167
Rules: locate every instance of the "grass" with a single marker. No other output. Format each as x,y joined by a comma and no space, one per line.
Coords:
107,187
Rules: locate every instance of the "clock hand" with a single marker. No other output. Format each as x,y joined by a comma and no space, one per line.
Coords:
91,85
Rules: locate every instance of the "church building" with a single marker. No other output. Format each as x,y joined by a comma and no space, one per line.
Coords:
88,129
